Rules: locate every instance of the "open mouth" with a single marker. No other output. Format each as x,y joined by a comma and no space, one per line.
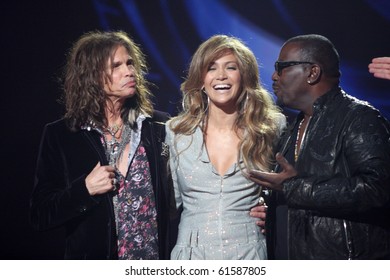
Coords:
222,87
274,88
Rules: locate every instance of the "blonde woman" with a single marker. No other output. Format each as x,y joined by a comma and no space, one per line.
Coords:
228,125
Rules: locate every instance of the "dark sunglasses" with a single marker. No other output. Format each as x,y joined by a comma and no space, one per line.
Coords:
280,65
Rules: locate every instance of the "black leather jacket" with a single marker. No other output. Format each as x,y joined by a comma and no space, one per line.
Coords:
338,205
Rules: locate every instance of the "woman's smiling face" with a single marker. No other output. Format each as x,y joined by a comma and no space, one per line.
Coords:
222,81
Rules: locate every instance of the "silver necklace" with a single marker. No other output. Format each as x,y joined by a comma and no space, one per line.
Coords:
297,150
113,130
115,147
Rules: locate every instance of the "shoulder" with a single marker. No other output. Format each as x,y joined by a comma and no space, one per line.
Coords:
56,123
359,108
171,124
57,126
360,113
281,123
58,133
169,132
160,116
343,106
156,124
157,120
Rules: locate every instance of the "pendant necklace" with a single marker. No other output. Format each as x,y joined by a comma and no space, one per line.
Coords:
113,130
116,146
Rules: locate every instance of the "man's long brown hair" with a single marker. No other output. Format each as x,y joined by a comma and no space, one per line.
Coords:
85,73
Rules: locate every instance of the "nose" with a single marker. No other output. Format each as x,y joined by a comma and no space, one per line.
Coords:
275,76
221,74
129,70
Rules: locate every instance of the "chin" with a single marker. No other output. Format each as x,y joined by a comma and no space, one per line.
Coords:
131,93
280,102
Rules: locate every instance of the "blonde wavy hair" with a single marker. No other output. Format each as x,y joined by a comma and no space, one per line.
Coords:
258,117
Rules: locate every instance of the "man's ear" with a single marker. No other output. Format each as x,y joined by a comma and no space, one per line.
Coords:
314,75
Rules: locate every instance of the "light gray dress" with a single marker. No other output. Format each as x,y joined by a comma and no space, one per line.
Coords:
215,222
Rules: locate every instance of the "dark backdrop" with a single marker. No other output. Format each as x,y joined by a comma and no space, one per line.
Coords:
37,34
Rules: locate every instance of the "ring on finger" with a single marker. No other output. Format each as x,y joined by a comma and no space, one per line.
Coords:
261,200
114,183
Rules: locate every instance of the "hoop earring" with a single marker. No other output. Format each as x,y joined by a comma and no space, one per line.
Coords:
183,104
245,105
208,99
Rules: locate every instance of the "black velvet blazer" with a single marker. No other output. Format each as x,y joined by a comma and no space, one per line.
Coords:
60,197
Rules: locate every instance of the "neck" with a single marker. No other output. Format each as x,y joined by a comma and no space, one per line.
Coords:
307,116
221,120
113,113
